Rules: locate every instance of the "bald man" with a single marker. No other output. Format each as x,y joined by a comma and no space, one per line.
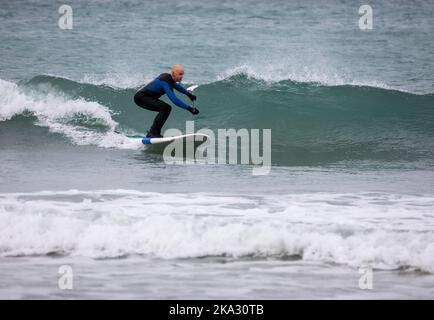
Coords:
148,98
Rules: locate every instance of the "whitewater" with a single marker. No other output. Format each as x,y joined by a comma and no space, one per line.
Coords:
351,185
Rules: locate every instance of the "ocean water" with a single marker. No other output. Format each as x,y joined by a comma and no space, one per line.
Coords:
350,194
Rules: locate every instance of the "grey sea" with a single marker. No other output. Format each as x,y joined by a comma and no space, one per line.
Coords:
345,211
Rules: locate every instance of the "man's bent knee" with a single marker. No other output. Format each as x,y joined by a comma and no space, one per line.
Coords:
137,99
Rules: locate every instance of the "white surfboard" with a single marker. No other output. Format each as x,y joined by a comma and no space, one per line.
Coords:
196,137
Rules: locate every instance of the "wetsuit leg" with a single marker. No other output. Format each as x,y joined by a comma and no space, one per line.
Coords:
154,104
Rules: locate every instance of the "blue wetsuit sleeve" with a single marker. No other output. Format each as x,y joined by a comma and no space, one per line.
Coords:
172,96
181,89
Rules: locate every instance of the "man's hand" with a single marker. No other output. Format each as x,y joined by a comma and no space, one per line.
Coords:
193,110
192,97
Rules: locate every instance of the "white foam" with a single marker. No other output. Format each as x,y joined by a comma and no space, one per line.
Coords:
320,74
12,101
382,230
56,111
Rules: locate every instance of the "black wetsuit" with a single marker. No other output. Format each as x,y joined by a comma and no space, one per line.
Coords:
148,98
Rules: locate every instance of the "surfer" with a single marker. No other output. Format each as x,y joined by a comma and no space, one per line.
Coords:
148,98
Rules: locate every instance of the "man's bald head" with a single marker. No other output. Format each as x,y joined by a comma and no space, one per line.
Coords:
177,72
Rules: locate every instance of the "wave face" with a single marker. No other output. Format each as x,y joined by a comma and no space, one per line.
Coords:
351,228
311,124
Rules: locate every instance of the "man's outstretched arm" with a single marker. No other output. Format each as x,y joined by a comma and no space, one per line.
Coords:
181,89
172,96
